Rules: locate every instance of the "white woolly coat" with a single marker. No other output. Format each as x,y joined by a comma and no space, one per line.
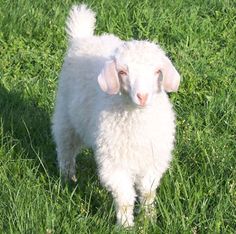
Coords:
132,144
122,135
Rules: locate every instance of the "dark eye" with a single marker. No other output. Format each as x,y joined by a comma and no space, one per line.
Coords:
122,73
158,72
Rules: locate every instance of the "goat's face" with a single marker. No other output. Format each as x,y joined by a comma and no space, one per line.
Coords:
140,81
139,69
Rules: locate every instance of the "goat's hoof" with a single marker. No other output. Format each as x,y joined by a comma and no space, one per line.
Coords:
74,179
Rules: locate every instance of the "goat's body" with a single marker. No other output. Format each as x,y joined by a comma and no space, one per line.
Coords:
92,114
132,145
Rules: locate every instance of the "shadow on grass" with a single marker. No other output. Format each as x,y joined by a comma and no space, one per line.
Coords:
26,125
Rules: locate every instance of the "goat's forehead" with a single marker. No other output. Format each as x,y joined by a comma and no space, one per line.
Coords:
139,64
136,68
139,54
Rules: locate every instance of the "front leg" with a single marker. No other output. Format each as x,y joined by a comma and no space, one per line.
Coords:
147,185
120,184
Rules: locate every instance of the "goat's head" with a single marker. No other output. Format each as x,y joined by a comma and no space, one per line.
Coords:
140,69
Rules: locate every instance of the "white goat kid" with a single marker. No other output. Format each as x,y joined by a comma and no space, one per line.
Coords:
128,121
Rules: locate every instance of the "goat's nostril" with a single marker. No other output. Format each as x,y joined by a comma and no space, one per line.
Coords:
142,98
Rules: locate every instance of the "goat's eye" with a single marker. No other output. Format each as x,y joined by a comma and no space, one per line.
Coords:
158,72
122,73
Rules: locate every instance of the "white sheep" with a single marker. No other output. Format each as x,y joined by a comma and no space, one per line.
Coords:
112,98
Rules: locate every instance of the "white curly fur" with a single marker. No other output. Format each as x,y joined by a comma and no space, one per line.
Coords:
132,139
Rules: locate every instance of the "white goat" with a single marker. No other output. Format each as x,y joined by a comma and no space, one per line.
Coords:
128,121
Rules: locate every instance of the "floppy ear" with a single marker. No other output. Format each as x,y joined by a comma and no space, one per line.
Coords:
108,79
171,77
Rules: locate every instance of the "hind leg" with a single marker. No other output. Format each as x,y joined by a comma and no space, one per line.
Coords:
68,145
66,154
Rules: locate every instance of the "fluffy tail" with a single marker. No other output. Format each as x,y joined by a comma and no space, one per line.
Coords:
81,22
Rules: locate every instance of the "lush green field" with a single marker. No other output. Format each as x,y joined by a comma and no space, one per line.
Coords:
197,194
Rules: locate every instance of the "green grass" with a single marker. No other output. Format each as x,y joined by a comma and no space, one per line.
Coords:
197,194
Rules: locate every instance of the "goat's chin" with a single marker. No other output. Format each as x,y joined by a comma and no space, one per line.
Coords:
142,106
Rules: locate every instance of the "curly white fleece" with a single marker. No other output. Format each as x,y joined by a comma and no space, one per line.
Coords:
132,144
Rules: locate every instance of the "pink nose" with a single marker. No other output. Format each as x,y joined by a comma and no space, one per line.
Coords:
142,98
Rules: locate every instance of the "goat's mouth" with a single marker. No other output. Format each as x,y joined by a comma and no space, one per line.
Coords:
141,106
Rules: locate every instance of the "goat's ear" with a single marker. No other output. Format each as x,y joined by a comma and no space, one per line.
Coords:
108,78
171,77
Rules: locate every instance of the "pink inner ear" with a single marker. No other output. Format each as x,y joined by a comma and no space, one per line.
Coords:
171,77
108,79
